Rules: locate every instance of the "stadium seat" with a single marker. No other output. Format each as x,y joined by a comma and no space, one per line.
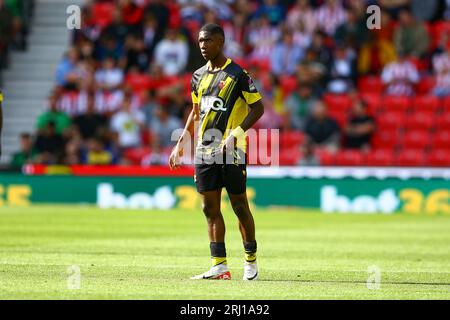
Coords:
439,158
265,140
380,157
441,139
102,13
422,65
263,64
437,30
193,26
373,101
426,103
370,84
421,120
326,158
386,139
138,82
290,139
290,157
396,103
244,63
390,120
443,120
411,158
135,155
416,139
446,104
337,102
186,79
288,84
425,85
146,137
174,15
349,158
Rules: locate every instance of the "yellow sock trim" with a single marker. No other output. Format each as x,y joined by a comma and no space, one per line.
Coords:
250,256
218,260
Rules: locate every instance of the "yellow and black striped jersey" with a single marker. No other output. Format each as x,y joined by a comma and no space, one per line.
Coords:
223,97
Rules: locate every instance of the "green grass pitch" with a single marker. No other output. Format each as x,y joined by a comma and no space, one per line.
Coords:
151,255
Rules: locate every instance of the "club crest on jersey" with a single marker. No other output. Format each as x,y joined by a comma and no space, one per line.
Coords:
214,103
221,84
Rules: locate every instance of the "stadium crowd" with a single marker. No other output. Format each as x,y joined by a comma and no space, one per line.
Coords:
339,92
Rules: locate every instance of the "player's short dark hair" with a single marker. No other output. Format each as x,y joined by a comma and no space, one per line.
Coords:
213,28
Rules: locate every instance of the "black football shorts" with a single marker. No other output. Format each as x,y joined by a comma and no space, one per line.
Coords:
231,173
209,177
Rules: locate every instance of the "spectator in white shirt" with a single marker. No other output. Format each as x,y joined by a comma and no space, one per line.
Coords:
109,77
262,37
172,53
301,36
441,68
127,124
330,15
400,76
302,12
235,33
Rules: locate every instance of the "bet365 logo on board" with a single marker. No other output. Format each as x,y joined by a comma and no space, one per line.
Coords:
163,198
387,201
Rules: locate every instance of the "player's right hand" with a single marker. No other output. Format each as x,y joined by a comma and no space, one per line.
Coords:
174,159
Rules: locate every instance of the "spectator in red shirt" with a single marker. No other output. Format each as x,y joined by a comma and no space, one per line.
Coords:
132,13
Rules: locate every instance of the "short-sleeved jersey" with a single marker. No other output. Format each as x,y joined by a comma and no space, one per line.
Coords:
223,97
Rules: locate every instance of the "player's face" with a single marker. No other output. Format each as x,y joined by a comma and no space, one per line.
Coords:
210,45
